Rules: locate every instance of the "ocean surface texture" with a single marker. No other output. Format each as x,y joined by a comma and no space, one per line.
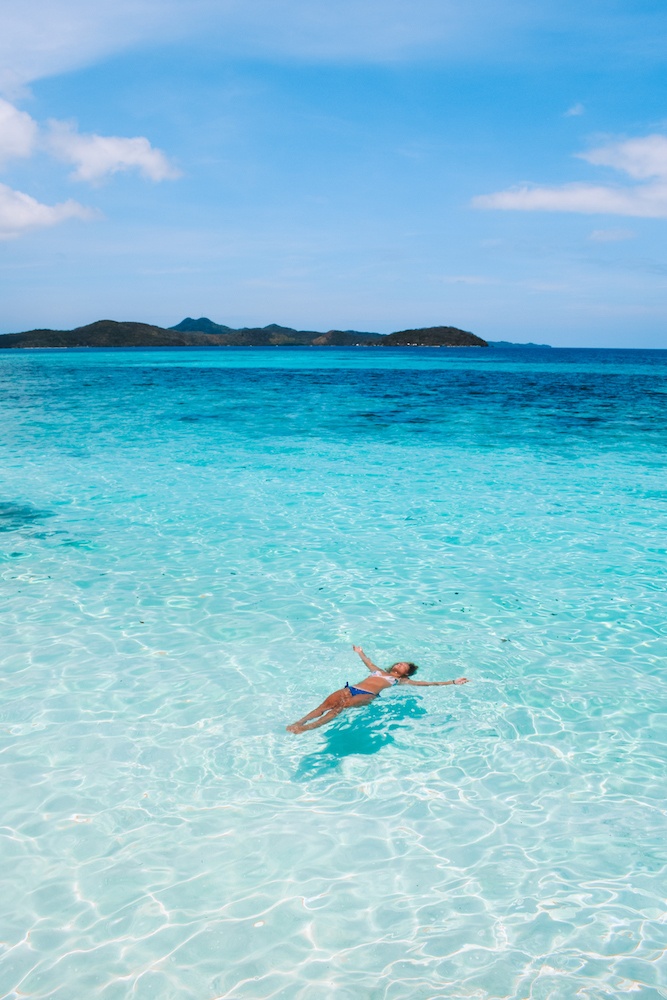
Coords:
192,540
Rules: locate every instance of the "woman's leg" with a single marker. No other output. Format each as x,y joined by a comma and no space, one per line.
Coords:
329,709
298,727
332,701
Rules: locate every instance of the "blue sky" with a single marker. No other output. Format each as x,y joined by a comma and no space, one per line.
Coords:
497,166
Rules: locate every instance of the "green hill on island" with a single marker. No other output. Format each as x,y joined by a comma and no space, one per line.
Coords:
205,325
205,333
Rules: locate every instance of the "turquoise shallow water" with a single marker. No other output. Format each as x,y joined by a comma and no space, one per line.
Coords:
191,542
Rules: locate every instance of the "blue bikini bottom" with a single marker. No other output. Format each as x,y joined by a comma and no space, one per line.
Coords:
354,690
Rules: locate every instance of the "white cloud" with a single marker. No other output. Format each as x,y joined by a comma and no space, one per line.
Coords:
611,235
648,201
644,158
640,158
20,213
18,132
97,156
576,110
94,157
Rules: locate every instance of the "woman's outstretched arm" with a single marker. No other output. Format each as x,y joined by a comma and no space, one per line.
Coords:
364,659
432,684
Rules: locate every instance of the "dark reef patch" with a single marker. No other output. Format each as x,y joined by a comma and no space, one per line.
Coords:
18,516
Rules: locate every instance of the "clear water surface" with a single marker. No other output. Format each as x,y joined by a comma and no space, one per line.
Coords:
191,542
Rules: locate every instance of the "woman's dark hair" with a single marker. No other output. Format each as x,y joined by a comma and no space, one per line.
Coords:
413,667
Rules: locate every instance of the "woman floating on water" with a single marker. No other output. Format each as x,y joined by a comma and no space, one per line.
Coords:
356,697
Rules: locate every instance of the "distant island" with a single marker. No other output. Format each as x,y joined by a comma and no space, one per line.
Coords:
508,343
204,332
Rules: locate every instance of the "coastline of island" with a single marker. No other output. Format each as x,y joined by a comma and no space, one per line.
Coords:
204,332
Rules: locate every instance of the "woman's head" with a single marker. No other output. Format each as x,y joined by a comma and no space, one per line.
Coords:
404,669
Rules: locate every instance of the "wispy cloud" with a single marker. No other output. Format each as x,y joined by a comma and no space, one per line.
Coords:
468,279
42,38
574,112
479,279
98,156
21,213
650,201
643,158
611,235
